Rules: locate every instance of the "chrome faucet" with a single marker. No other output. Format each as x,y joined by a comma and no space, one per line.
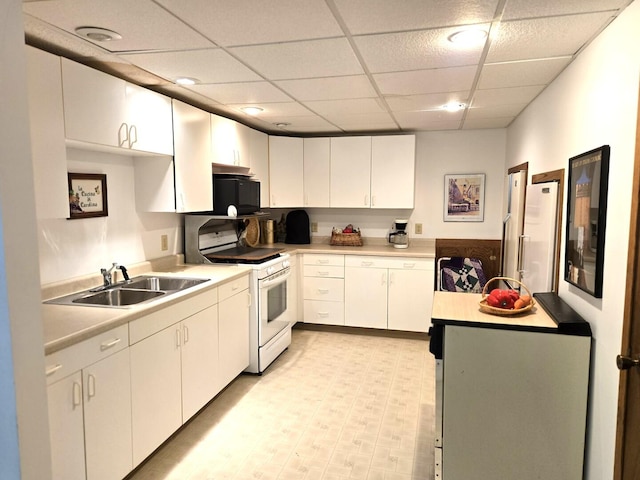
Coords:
106,274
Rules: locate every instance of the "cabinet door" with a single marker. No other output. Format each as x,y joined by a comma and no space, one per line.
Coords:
149,120
192,161
286,171
393,171
224,140
156,390
199,360
292,291
94,105
243,145
259,163
46,120
233,315
66,428
107,417
365,297
317,158
410,299
350,172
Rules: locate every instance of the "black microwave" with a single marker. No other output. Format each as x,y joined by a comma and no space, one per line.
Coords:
239,191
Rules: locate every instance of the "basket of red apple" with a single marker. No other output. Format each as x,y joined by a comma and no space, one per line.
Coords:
348,236
500,301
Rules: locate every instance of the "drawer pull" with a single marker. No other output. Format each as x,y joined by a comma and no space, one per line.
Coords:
110,344
409,264
51,370
366,264
323,291
234,287
92,386
76,395
323,314
323,261
185,333
323,274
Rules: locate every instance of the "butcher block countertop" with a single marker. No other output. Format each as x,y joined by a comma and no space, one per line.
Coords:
451,308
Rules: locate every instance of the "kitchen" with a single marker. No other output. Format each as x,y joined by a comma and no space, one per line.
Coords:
533,138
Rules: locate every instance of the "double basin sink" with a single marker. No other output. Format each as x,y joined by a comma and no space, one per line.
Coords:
142,289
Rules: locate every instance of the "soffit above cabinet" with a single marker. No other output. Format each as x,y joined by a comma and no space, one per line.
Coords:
331,67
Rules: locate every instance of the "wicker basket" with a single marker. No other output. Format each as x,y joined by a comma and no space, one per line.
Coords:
346,239
502,311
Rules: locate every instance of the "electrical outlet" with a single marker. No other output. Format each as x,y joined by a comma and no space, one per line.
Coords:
314,227
164,242
418,229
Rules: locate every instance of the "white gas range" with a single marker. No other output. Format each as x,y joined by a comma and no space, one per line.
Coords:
212,240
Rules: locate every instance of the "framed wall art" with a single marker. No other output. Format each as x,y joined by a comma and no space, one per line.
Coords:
586,220
464,197
87,195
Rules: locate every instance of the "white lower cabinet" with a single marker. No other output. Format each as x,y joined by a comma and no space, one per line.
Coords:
89,403
410,298
365,297
323,289
233,312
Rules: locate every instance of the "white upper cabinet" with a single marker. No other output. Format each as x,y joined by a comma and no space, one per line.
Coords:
285,172
193,177
46,117
317,171
393,171
259,163
106,111
351,172
229,141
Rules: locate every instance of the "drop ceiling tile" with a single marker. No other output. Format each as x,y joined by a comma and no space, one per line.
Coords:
250,22
482,123
544,37
310,123
429,120
431,101
142,24
209,66
364,122
314,58
375,16
512,110
518,9
330,88
253,92
424,49
275,109
345,107
522,73
505,96
426,81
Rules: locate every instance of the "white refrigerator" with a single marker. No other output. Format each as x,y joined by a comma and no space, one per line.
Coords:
513,214
537,250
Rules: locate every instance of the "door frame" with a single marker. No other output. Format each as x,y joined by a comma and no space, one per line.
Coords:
631,318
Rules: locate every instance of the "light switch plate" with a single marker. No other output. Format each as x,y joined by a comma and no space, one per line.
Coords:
164,243
314,227
418,229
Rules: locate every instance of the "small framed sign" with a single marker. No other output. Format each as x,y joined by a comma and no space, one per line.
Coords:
464,197
586,220
87,195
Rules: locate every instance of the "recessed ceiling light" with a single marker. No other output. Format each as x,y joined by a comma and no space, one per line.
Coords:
282,124
98,34
186,81
252,110
454,107
468,37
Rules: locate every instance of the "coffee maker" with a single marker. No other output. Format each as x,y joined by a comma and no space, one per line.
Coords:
399,238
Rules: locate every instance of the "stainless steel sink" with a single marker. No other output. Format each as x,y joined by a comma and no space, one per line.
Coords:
118,297
142,289
162,283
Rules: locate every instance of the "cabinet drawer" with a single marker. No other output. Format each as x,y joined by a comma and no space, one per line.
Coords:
323,259
329,289
69,360
330,271
407,263
325,313
229,289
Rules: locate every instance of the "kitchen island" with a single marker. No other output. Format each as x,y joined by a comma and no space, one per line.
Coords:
511,391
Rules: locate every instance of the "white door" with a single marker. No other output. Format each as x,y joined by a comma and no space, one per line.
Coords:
150,120
515,187
365,297
317,153
259,163
233,317
351,172
410,299
538,239
224,140
286,171
393,159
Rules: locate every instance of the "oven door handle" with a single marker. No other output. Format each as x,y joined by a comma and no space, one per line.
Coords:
278,279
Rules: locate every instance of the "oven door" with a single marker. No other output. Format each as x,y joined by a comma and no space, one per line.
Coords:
272,305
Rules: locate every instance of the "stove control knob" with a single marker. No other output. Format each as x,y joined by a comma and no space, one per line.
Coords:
286,264
270,270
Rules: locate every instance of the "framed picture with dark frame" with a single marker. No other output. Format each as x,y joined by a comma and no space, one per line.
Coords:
464,197
586,220
87,195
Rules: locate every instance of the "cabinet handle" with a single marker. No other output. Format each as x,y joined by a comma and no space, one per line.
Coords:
185,334
323,274
323,314
391,277
323,261
178,342
323,290
373,200
122,139
76,395
110,344
92,386
409,265
249,300
234,287
273,200
51,370
366,264
366,200
383,278
133,138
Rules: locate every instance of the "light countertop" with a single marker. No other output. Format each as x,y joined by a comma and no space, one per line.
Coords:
452,308
415,249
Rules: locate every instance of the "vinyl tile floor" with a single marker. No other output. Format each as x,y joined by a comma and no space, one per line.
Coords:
334,406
